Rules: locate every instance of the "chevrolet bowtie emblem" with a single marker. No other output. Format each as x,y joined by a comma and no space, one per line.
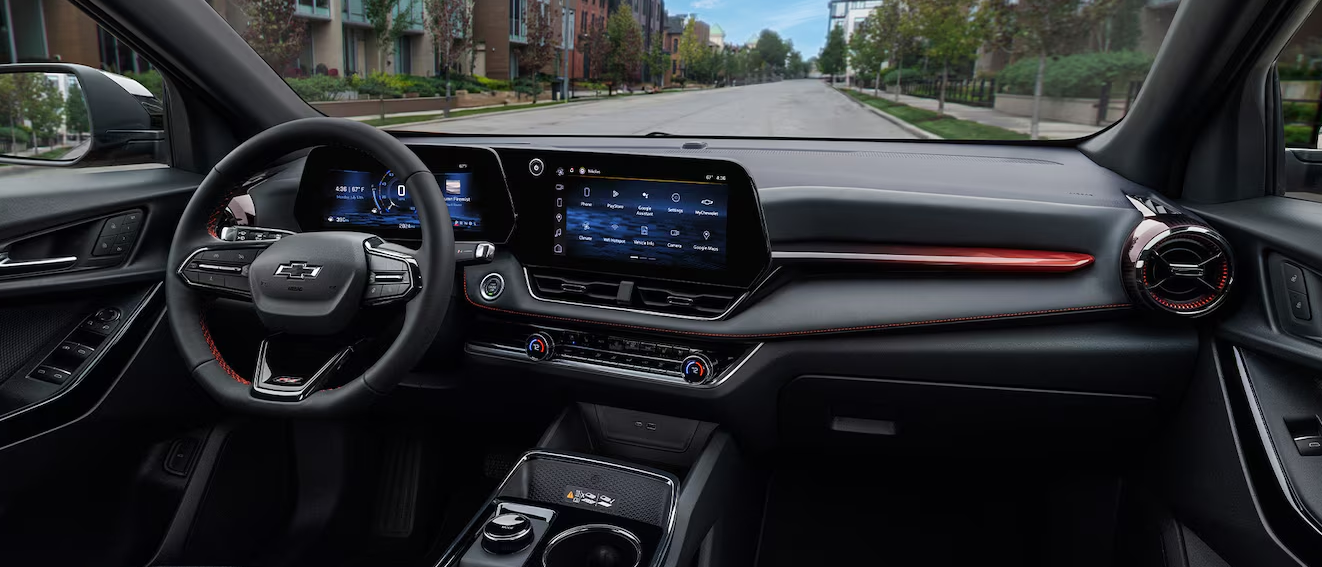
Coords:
298,271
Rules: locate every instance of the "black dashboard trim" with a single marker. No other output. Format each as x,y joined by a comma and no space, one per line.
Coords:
794,333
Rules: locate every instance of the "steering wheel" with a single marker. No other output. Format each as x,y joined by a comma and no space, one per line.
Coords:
308,288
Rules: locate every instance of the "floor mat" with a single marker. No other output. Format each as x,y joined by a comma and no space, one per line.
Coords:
940,514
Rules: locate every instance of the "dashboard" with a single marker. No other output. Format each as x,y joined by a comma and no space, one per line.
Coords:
718,274
664,218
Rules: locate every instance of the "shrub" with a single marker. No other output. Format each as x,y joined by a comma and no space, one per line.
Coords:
1298,111
493,84
906,74
1080,75
1298,72
1296,135
318,87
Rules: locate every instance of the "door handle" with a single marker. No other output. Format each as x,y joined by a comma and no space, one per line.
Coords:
12,267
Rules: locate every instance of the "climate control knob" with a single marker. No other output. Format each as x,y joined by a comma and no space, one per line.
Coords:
539,346
697,369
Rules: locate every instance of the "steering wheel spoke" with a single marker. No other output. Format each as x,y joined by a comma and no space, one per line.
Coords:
394,275
222,268
291,368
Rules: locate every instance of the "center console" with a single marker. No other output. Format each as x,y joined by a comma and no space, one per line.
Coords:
566,510
608,487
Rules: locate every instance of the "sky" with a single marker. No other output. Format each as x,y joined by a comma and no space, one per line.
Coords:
804,21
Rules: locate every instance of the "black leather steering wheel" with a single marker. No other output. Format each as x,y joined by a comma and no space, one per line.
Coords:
308,284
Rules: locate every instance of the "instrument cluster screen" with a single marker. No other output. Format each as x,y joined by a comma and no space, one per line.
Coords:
675,224
343,189
368,199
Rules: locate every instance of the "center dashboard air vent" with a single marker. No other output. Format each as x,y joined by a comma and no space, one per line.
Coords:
618,292
1176,265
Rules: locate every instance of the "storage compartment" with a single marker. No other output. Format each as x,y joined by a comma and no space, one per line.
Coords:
832,411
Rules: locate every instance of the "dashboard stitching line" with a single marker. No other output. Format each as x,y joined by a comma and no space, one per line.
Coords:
806,332
215,353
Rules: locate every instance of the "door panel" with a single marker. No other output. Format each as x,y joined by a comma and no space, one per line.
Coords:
1261,368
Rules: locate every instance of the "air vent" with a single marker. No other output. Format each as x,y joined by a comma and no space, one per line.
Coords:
1185,270
654,296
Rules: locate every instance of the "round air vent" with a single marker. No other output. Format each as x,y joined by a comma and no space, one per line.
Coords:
1184,269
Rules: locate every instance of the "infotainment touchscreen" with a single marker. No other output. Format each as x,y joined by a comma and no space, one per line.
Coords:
673,224
647,217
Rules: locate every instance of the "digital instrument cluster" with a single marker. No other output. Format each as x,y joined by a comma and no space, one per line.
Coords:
346,190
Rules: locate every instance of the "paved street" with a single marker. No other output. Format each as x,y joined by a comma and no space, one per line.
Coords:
801,108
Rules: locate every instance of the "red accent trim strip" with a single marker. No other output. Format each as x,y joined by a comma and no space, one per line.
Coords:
215,352
805,332
976,259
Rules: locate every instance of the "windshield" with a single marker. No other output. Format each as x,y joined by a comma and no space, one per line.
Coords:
874,69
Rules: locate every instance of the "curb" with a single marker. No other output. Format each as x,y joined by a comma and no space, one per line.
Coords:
907,127
530,108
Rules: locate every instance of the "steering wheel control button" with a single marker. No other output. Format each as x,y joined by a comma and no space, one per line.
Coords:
540,346
536,167
492,286
696,369
506,534
249,234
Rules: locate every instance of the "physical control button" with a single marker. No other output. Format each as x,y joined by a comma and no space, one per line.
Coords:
507,533
473,252
96,325
492,286
697,369
540,346
536,167
1294,278
105,246
1299,306
108,314
1309,446
50,374
75,350
113,226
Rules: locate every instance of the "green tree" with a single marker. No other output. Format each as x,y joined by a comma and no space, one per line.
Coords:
76,119
273,31
953,31
867,49
772,50
832,60
657,59
1043,29
597,50
389,20
691,47
891,26
45,111
624,55
795,66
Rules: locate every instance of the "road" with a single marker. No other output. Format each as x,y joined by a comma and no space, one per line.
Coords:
801,108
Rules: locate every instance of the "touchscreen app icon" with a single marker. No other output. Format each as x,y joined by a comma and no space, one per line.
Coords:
587,192
644,231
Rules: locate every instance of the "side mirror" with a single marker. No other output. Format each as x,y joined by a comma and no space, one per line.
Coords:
62,115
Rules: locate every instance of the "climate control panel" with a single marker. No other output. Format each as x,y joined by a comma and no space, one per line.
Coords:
701,364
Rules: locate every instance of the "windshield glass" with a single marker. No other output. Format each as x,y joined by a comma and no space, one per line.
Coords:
876,69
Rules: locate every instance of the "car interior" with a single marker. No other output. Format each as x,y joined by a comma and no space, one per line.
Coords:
239,332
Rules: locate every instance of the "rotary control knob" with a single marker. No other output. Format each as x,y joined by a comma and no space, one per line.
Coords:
539,346
697,369
506,534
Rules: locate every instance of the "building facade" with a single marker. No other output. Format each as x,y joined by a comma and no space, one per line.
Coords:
589,15
39,31
849,15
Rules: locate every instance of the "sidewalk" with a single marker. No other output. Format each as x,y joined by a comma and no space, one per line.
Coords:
992,117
